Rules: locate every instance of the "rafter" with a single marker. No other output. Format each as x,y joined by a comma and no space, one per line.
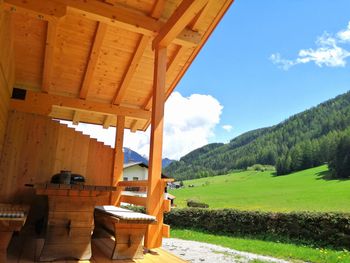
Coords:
95,50
201,16
107,122
187,10
49,55
133,126
76,117
42,103
140,49
130,70
115,15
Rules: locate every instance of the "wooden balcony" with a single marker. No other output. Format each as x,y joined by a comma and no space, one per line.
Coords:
27,249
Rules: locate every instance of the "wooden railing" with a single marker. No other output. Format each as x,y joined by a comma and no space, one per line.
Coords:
141,201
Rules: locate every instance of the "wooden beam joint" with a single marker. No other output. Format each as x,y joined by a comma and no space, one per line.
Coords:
183,15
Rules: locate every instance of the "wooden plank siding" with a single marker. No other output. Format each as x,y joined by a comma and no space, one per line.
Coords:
37,147
7,71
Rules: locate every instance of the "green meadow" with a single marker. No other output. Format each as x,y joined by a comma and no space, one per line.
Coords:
307,190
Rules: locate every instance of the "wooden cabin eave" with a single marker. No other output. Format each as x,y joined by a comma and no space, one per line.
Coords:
102,51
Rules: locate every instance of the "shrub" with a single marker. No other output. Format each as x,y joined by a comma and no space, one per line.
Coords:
321,229
261,168
194,203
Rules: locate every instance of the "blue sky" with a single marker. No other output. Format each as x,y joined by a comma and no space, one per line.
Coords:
235,66
266,61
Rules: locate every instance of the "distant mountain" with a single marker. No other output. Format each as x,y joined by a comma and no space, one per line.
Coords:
302,141
166,162
132,156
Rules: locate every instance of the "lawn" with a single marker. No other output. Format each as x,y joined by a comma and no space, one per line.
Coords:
252,190
292,252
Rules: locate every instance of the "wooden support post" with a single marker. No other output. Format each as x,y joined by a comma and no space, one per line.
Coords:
118,160
155,192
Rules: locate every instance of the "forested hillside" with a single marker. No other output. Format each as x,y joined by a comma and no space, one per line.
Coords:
302,141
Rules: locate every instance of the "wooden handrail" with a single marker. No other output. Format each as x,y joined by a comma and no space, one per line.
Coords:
142,183
135,200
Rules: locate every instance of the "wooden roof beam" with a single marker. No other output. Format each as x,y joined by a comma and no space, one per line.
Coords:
115,15
95,51
41,103
183,15
135,60
45,10
51,36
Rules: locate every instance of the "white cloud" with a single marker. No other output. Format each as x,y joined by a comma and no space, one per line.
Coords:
227,127
344,35
189,123
328,52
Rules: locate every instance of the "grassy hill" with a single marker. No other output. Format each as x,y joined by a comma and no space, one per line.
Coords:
305,140
252,190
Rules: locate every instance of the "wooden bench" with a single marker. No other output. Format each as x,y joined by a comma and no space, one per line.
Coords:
12,218
127,227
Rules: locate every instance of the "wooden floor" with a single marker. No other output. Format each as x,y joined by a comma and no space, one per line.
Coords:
26,250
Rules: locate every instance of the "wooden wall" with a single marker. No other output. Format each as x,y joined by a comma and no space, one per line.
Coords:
6,71
37,147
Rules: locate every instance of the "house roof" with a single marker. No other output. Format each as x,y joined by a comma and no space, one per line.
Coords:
131,164
90,60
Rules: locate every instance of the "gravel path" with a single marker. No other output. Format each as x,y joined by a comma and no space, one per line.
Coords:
198,252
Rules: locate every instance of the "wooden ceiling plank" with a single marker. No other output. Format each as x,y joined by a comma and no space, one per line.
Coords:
41,103
158,9
130,70
182,16
115,15
107,122
95,50
76,117
49,55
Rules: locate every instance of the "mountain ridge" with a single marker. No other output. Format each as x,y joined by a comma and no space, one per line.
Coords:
301,136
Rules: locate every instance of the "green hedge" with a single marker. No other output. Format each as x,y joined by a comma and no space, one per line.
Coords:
320,229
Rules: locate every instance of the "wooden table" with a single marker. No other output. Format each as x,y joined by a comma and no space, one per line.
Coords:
12,218
70,219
